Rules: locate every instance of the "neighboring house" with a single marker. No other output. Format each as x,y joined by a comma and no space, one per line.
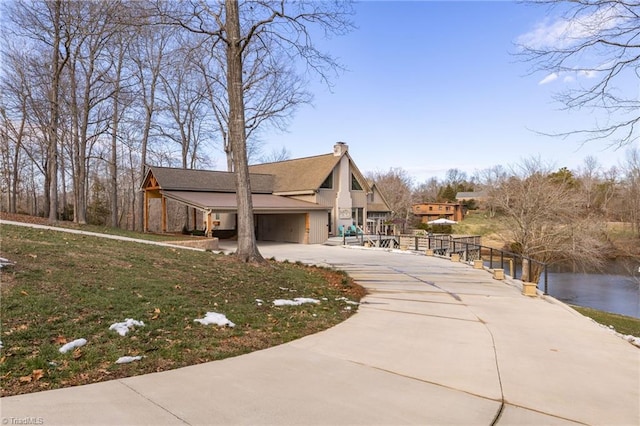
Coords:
302,200
478,196
431,211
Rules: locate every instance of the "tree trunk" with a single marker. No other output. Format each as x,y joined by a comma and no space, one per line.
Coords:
247,247
52,149
115,120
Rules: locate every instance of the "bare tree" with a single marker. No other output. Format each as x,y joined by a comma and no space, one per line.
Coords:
396,187
276,155
427,191
41,26
489,180
14,115
283,28
148,52
589,177
544,218
594,45
631,189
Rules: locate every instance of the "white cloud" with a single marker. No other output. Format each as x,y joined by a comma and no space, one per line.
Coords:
548,79
587,74
568,79
560,32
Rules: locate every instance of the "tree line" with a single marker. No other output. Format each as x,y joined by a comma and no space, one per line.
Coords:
94,91
551,215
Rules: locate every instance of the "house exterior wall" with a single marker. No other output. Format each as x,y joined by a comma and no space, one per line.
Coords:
431,211
318,227
359,199
343,200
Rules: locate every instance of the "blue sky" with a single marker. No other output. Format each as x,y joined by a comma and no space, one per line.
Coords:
432,86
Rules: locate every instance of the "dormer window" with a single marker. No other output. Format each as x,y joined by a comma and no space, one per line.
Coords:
328,182
355,185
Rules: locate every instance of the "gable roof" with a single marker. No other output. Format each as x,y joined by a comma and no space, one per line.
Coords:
300,174
174,179
382,207
305,175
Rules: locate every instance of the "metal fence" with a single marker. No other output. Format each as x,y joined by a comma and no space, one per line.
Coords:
468,247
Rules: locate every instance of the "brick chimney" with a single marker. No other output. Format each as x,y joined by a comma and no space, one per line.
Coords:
340,148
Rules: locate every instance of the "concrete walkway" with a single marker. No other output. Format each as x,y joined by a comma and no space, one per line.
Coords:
434,342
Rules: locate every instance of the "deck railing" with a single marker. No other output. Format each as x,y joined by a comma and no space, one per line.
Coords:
468,247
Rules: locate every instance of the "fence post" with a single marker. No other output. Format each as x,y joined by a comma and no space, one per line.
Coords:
545,279
490,257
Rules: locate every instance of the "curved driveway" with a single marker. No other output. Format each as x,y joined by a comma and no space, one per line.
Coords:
434,342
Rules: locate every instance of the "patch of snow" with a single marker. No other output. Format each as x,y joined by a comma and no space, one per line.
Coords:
215,318
295,302
347,301
259,302
122,328
5,262
72,345
1,344
128,359
635,341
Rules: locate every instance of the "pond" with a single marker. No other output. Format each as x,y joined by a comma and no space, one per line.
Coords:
615,290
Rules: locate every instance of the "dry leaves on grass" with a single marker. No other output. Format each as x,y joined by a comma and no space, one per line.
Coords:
34,377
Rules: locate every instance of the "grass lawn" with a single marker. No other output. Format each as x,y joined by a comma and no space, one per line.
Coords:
621,323
66,286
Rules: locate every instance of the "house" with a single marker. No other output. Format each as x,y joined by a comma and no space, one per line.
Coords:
302,200
431,211
333,181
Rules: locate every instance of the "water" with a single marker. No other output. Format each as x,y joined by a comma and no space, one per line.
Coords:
611,292
615,290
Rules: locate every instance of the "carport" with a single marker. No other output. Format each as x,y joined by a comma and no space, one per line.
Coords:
277,218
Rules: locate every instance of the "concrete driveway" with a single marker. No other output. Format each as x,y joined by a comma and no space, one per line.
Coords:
434,342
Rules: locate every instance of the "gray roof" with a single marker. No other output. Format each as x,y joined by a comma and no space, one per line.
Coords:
474,194
226,202
173,179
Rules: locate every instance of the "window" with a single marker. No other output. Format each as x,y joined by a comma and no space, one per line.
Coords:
328,182
355,185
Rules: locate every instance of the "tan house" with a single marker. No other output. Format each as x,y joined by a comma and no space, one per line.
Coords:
432,211
302,200
331,180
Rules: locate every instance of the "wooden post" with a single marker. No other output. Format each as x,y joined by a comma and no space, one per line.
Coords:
164,214
209,224
307,227
145,207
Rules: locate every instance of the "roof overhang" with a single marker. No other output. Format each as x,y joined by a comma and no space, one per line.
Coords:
225,202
